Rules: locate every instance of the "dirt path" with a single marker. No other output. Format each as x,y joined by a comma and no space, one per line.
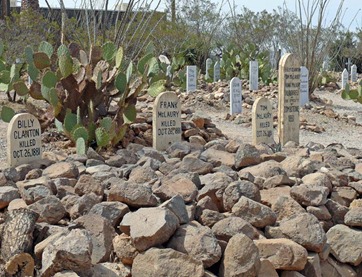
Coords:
336,131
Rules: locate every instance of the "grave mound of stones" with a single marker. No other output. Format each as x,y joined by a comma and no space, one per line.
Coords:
224,208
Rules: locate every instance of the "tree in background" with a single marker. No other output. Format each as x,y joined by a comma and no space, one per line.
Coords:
29,4
195,32
307,34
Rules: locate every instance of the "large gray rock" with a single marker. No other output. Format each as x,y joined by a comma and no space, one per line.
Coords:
313,267
125,249
61,169
305,230
78,206
286,207
196,165
333,268
255,213
354,217
149,226
308,195
235,190
267,269
102,234
177,205
284,254
36,189
113,211
317,179
165,263
265,169
197,241
247,155
132,194
72,252
346,244
214,187
87,184
218,157
298,166
337,211
50,209
241,258
177,185
230,226
7,194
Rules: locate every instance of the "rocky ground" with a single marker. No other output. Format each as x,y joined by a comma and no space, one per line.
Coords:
212,205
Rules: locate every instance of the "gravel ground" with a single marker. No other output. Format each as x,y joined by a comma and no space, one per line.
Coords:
336,131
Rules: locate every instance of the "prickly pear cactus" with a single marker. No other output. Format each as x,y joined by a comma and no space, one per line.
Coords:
354,94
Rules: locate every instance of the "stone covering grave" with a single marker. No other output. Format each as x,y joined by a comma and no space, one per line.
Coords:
288,102
166,120
235,96
262,121
24,139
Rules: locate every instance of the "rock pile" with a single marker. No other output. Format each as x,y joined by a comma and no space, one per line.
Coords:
221,208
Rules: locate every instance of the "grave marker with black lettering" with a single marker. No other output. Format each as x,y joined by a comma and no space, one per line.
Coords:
262,122
191,78
288,102
23,139
166,123
253,75
235,96
304,85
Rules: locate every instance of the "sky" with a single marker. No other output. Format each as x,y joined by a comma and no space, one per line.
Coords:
351,8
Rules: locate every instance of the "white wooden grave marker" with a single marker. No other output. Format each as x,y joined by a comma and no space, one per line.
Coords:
23,139
166,120
217,72
253,75
304,85
208,66
262,122
168,71
288,102
235,96
354,73
344,78
191,78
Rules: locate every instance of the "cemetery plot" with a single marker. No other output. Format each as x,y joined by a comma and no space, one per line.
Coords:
166,120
